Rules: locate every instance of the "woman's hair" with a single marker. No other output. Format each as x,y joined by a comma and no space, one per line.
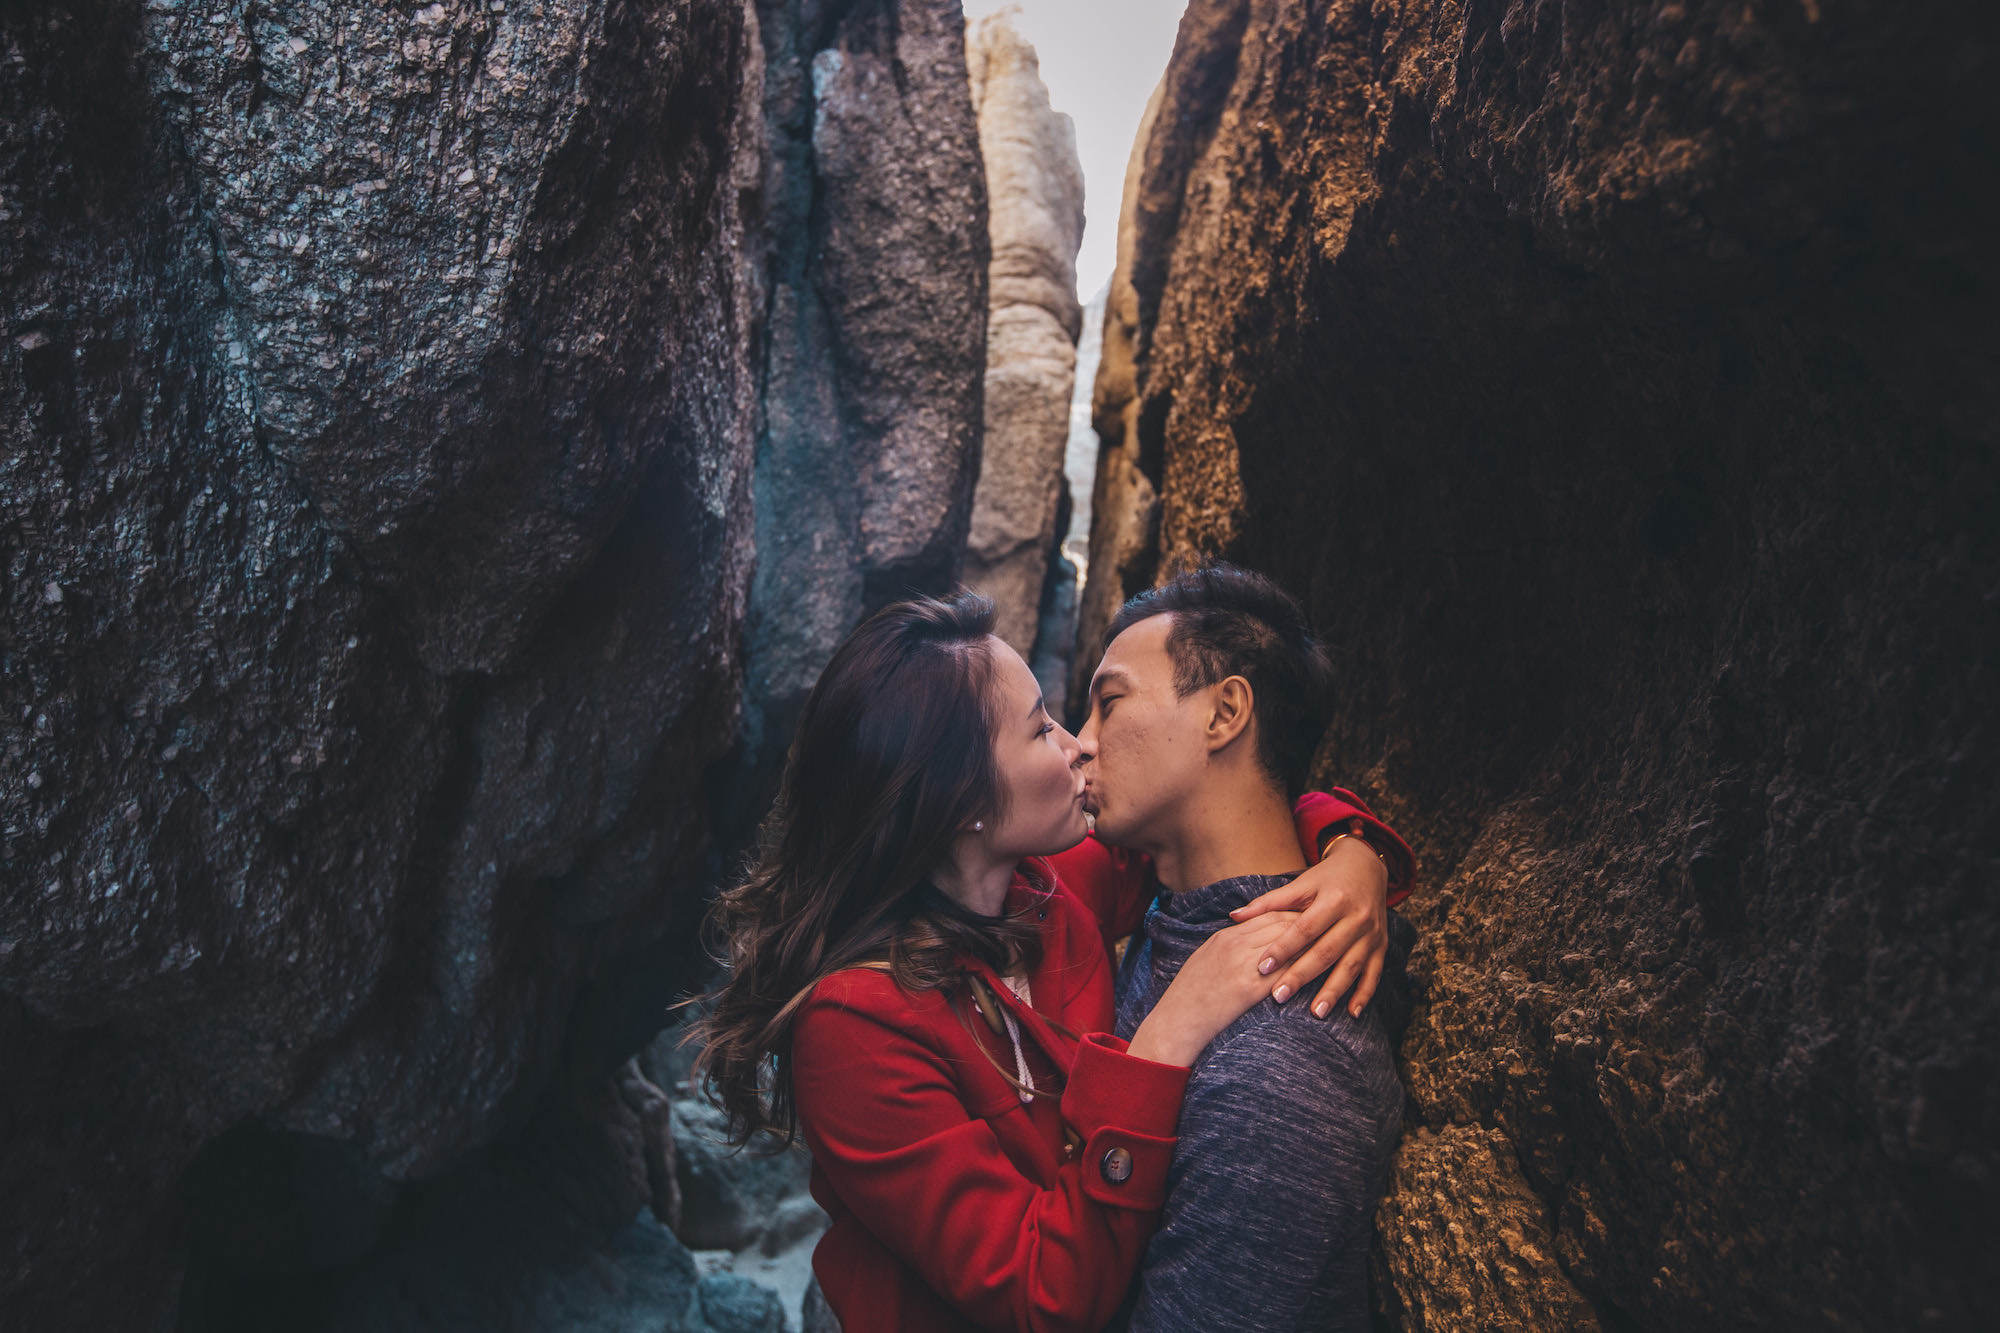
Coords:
893,758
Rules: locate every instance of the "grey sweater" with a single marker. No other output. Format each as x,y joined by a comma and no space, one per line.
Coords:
1285,1140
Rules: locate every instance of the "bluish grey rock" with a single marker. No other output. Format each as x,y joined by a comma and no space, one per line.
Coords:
731,1197
730,1303
381,386
875,344
818,1316
374,513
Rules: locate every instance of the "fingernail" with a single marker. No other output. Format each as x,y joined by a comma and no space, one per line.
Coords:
1322,1009
1282,994
1264,968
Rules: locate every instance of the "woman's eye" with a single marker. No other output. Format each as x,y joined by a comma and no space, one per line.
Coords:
1046,728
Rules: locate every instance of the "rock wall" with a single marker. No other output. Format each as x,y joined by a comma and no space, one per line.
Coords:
1035,187
1618,385
377,533
876,253
398,400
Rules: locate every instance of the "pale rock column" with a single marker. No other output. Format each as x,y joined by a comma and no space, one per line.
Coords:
1034,188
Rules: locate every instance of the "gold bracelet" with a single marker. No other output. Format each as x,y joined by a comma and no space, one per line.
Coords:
1355,833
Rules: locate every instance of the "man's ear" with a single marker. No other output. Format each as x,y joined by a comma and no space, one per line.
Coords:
1232,706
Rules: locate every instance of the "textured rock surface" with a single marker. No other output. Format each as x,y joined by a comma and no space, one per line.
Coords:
745,1211
732,1198
1618,383
875,338
382,389
376,540
1034,186
548,1230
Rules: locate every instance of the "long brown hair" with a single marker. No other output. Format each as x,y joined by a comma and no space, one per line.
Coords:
892,759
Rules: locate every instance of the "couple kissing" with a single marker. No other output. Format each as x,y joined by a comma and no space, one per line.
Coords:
1056,1076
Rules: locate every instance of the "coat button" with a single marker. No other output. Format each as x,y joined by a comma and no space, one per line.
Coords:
1116,1166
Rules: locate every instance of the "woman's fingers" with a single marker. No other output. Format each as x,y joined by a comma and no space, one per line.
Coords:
1364,991
1263,932
1337,983
1328,950
1284,898
1363,960
1319,914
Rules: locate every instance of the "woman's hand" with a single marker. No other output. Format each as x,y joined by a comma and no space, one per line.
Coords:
1341,909
1218,984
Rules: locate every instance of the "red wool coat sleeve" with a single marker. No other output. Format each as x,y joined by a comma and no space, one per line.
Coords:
1317,812
1007,1245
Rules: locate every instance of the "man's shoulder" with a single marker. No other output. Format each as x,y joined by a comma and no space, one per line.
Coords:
1274,1040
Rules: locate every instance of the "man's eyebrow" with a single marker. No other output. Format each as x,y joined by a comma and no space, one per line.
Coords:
1103,678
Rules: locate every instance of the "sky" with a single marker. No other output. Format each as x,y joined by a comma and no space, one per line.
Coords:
1100,60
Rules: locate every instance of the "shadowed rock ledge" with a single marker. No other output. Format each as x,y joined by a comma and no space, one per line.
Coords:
1618,384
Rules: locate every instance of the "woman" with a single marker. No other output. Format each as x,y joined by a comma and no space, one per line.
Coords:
923,995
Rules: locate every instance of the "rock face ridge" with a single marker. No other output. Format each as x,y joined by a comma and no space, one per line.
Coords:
1035,187
1617,384
876,252
389,392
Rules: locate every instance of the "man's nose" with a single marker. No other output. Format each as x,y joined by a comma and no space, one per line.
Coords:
1086,740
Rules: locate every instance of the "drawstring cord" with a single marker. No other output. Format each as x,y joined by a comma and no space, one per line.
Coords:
1001,1020
1027,1089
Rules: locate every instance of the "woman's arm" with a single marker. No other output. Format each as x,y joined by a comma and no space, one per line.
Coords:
883,1117
883,1114
1343,897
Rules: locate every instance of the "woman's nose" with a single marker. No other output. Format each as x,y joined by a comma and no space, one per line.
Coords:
1071,747
1085,749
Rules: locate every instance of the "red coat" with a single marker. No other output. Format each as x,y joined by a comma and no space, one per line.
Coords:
954,1205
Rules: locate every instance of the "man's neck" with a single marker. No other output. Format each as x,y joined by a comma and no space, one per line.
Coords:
1227,833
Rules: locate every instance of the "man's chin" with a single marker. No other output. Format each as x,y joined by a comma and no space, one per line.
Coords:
1107,828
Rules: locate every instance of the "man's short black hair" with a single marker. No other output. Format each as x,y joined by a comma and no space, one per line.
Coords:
1231,622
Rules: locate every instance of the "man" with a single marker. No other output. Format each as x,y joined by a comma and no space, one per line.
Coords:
1204,714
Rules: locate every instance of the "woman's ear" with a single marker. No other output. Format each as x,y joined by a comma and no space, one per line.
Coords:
1232,705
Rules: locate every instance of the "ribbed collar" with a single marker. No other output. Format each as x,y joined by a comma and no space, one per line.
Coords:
1214,902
